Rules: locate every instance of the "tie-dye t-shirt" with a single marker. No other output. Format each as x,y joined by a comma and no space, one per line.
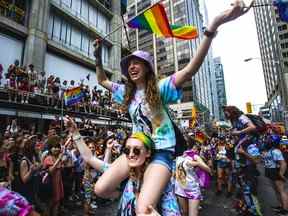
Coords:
144,120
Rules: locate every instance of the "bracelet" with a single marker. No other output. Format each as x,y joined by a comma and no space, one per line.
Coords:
210,34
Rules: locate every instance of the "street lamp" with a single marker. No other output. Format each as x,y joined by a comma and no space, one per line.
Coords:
281,84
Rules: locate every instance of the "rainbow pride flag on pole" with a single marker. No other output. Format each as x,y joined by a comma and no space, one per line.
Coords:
155,20
72,96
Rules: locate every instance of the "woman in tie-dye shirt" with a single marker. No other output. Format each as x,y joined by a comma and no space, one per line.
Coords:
13,204
145,99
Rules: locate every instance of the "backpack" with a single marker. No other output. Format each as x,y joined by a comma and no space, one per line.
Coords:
258,122
181,144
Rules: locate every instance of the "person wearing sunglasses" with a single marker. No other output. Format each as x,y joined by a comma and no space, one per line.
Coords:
139,151
146,99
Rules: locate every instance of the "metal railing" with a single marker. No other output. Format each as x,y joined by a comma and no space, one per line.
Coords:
12,95
11,11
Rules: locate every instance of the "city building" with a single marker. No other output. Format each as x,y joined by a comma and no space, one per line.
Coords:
273,42
220,86
56,36
171,55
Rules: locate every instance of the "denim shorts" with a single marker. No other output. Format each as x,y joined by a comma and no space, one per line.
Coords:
163,157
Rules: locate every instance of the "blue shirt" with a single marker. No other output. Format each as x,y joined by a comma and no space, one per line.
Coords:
272,157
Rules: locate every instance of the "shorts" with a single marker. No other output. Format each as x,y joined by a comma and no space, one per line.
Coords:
223,164
272,173
163,157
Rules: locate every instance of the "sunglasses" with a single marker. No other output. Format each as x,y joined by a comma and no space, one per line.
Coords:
136,151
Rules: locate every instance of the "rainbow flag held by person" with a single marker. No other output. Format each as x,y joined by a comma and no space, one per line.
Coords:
72,96
282,6
155,21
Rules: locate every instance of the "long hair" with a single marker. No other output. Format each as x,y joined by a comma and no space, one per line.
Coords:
152,94
234,112
28,150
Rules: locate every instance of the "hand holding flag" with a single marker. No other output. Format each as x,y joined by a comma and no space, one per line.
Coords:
238,9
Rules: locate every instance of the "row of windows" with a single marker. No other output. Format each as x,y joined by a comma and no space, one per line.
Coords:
285,54
283,36
62,31
282,27
87,13
284,45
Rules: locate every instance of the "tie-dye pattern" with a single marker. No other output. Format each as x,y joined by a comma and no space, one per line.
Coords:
168,204
144,120
13,204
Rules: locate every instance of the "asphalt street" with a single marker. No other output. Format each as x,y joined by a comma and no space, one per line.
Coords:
212,205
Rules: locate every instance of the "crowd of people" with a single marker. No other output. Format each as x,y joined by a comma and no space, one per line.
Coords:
55,171
26,85
48,170
155,169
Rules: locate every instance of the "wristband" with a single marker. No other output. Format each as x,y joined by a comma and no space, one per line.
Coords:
210,34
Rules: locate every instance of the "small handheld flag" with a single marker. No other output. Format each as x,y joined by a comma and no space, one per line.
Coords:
72,96
155,20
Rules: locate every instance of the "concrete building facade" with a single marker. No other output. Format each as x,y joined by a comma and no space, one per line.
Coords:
57,36
220,86
171,55
273,42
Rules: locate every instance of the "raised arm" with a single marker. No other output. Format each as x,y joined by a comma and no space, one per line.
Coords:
237,10
82,147
100,73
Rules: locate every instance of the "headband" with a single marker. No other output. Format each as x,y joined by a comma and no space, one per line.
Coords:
147,141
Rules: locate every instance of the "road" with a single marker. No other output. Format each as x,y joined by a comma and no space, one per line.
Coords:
213,205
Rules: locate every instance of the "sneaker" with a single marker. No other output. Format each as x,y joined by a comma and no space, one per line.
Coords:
22,101
26,102
276,208
283,212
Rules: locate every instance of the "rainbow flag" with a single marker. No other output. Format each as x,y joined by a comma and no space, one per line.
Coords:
155,20
200,137
72,96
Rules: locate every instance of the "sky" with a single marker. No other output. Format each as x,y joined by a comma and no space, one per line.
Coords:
236,41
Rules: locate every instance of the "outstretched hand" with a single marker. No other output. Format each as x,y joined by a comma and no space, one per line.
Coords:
238,9
70,124
97,48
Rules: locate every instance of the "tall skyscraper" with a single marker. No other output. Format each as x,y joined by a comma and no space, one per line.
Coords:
220,86
273,42
170,54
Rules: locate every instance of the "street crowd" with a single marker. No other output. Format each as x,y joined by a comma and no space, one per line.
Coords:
53,173
153,168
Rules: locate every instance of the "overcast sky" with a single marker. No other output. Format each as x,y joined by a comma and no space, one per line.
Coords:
236,41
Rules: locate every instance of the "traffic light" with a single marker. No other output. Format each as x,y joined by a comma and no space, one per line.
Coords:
249,107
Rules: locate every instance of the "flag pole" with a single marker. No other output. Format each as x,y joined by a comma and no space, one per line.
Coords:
126,32
123,24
